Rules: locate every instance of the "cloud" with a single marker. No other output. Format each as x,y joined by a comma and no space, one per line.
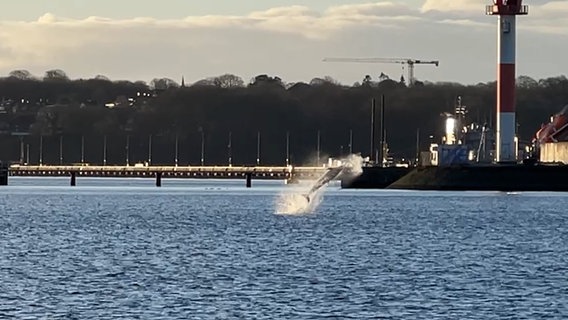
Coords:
454,5
287,41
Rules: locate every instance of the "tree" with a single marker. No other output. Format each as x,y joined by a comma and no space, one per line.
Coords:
526,82
367,81
326,80
204,83
21,75
102,78
552,81
228,81
163,84
317,82
56,74
265,80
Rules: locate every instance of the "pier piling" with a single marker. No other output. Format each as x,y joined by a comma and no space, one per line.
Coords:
3,175
158,179
73,182
249,180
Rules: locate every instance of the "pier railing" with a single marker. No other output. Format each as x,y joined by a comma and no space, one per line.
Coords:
195,172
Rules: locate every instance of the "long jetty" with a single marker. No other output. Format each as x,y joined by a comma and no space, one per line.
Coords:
287,173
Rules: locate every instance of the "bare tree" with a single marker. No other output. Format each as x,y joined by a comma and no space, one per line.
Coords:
56,74
228,81
21,75
102,78
204,82
163,84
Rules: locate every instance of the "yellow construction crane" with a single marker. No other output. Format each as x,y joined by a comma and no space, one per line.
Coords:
404,61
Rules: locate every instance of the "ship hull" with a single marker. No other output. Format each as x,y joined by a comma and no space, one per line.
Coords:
498,177
374,178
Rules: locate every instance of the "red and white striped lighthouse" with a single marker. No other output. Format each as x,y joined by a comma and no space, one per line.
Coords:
507,10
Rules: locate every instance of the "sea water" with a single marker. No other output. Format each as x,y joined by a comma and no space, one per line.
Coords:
121,248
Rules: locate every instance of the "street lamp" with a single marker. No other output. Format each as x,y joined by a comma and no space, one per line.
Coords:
105,150
40,149
176,149
82,150
149,149
350,142
61,149
229,148
127,150
202,146
287,148
258,148
318,149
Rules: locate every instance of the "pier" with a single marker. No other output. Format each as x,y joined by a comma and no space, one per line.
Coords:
248,173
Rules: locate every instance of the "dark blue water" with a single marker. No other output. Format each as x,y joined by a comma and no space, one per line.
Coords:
113,249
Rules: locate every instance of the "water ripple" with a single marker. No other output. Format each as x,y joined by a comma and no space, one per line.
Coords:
228,256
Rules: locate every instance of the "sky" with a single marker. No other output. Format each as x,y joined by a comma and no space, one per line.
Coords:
141,40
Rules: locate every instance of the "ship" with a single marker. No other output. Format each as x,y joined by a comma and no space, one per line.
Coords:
464,160
476,157
374,177
541,165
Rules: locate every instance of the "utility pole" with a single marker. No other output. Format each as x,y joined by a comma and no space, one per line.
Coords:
41,150
229,148
61,150
22,152
382,150
202,147
149,149
127,150
176,149
417,160
350,141
287,148
373,153
82,149
104,150
318,148
258,148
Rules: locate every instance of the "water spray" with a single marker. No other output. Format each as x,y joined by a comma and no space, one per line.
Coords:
307,200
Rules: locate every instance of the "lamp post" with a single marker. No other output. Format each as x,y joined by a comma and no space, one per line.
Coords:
202,147
176,149
127,150
287,148
22,152
149,149
82,149
40,149
258,148
351,141
104,150
61,150
318,148
229,148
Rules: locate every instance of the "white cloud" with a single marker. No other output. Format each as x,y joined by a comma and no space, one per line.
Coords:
287,41
455,5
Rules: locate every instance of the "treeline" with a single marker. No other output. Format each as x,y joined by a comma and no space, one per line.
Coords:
70,120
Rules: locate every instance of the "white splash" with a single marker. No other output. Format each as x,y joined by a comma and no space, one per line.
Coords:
296,203
305,200
355,164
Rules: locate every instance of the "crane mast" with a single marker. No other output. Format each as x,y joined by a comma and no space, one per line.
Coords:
404,61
